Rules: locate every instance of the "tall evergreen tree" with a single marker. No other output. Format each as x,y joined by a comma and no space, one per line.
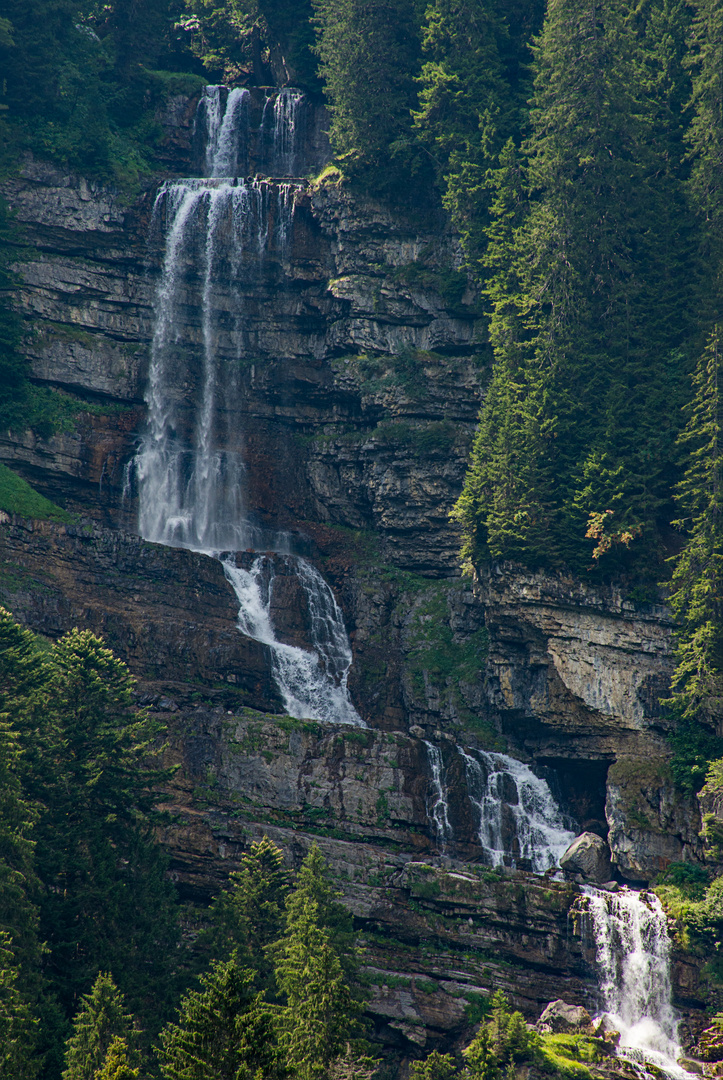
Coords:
250,914
101,1019
106,902
313,962
705,134
473,91
697,597
224,1031
369,53
17,1028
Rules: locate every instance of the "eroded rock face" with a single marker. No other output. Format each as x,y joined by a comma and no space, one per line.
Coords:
651,823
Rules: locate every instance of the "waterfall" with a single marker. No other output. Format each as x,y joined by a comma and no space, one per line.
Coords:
633,957
191,483
223,118
190,467
227,130
518,816
312,684
437,808
287,119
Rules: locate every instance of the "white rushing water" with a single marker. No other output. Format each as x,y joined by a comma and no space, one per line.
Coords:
227,130
508,797
312,684
276,145
190,469
191,487
633,957
437,807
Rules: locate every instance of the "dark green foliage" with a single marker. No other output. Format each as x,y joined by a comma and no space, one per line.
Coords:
502,1041
435,1066
697,583
249,915
17,1025
369,54
76,818
472,99
575,456
81,85
107,904
116,1065
320,1013
224,1032
100,1022
705,134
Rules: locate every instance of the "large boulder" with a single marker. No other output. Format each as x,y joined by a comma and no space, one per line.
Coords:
563,1019
589,856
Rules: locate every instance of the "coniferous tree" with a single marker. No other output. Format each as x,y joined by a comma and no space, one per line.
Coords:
116,1065
578,431
369,54
107,903
705,134
17,1027
224,1031
313,963
250,914
101,1020
473,91
697,597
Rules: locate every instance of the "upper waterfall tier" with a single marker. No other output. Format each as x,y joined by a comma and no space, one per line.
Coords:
271,132
190,466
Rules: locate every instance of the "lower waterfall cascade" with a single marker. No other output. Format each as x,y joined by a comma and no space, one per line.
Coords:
633,958
499,785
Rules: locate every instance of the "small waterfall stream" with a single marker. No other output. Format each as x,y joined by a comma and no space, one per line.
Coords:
509,798
191,473
517,816
437,806
633,957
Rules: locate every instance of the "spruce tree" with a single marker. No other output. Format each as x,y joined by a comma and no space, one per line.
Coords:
17,1026
705,134
314,963
116,1065
224,1030
250,914
697,597
107,903
369,52
320,1013
578,431
101,1020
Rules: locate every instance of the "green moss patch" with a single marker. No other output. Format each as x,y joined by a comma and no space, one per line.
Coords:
569,1055
18,497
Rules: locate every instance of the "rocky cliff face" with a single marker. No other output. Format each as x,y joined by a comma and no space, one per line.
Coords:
361,375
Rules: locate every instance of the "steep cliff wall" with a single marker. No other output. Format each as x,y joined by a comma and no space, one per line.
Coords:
361,371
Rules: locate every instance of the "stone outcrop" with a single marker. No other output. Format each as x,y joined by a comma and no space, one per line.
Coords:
589,856
562,1019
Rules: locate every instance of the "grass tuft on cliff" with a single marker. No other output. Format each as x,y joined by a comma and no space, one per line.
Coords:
18,497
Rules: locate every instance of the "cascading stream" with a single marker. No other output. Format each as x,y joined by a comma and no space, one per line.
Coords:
437,807
190,468
517,815
501,786
633,956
